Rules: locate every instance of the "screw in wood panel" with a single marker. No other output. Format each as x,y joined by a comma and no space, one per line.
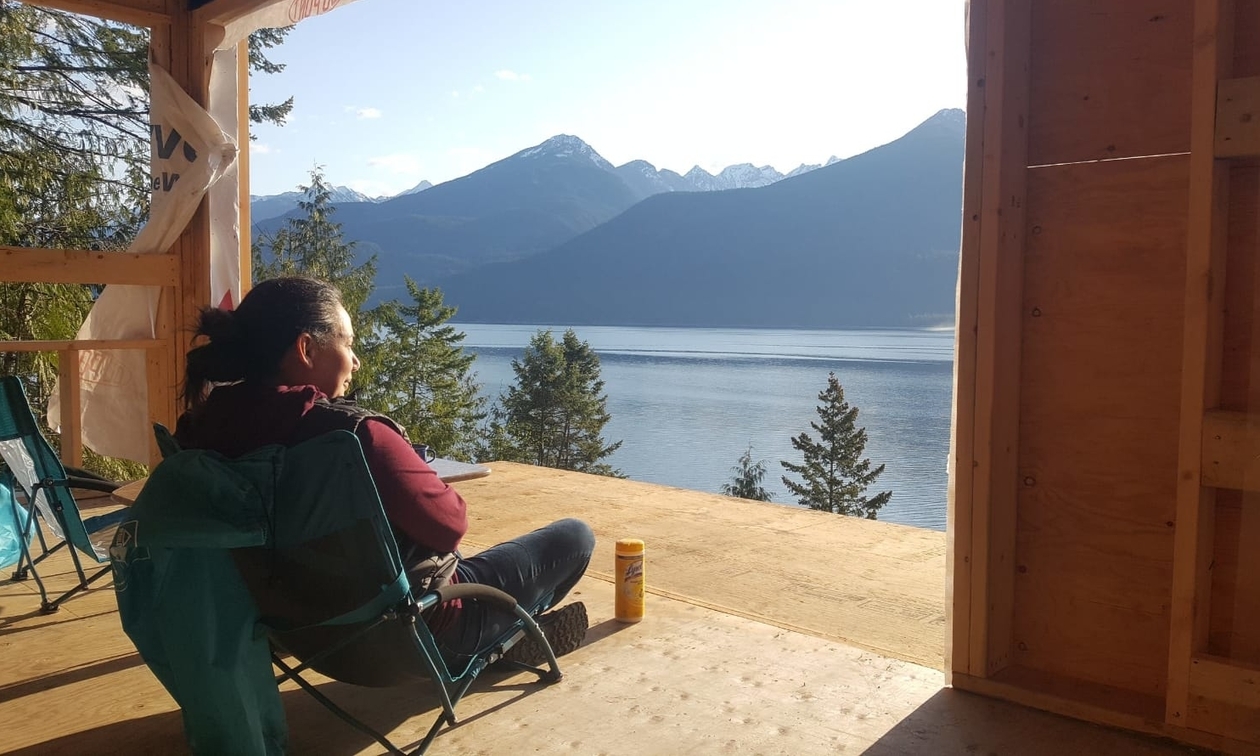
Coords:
1036,312
1030,481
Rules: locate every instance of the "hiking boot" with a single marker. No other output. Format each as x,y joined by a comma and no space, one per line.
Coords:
564,628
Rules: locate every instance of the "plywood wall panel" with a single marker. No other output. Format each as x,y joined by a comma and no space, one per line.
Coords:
1247,38
1234,629
1240,376
1140,107
1103,279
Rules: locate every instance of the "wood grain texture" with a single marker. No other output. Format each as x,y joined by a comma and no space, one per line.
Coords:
886,595
1104,271
1225,697
135,12
960,487
1110,79
998,302
68,266
1235,591
1207,235
688,679
1238,118
1246,41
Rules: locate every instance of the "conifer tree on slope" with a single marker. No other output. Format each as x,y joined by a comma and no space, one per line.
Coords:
424,377
311,244
834,474
746,483
554,414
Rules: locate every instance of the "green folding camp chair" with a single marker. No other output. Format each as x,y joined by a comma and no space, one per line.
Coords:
282,556
46,486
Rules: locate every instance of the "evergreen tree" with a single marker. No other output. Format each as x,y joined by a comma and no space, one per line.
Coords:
74,162
423,375
835,477
312,245
554,414
747,481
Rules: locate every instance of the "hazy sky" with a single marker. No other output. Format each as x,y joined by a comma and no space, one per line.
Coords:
389,92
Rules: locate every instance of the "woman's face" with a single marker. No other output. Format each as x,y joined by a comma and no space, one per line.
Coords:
328,366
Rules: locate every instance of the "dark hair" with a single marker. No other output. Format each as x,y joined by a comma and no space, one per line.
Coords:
248,343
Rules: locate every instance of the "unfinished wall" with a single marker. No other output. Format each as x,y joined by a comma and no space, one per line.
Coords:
1106,485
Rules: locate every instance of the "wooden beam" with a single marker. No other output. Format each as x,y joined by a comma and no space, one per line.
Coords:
78,266
959,553
224,12
1202,333
79,345
1229,680
999,324
1238,118
136,12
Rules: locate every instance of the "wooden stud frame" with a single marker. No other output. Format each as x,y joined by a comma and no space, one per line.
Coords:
179,44
984,470
1202,356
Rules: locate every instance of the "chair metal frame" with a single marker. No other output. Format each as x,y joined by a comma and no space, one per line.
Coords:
52,482
451,686
395,603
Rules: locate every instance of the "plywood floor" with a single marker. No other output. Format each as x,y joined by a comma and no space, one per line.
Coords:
704,673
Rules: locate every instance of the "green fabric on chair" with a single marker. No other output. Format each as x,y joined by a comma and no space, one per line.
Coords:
287,547
184,606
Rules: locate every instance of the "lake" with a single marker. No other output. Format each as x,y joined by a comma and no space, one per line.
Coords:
687,402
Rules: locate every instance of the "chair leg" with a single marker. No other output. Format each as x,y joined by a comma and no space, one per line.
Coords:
341,713
48,607
29,567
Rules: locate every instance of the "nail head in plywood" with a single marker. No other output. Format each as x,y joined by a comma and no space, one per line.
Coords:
1231,450
1238,117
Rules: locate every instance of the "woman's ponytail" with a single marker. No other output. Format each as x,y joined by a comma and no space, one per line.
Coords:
248,343
222,359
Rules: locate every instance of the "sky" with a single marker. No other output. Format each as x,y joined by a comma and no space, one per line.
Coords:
390,92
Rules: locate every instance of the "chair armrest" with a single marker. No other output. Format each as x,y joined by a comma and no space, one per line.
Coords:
477,591
92,484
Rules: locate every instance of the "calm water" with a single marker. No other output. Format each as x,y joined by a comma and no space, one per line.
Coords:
686,402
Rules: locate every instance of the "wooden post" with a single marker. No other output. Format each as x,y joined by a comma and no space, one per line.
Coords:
958,532
992,263
179,47
242,168
1201,354
71,407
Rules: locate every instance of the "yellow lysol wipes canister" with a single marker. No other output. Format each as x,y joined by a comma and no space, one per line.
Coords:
630,585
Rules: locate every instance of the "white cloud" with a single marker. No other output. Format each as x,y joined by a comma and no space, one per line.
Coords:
260,148
478,89
363,113
507,75
455,94
397,163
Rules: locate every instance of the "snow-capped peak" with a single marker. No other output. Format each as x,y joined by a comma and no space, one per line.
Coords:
566,146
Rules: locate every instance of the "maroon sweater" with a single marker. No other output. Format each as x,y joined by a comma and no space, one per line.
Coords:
239,418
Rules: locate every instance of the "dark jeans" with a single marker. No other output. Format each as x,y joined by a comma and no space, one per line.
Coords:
547,562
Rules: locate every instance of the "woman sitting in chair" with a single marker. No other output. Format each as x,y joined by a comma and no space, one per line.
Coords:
287,357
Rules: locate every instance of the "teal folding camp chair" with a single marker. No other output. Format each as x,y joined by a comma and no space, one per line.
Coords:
283,556
46,486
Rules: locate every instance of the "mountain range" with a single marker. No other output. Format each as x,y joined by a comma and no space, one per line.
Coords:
641,174
557,234
868,241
